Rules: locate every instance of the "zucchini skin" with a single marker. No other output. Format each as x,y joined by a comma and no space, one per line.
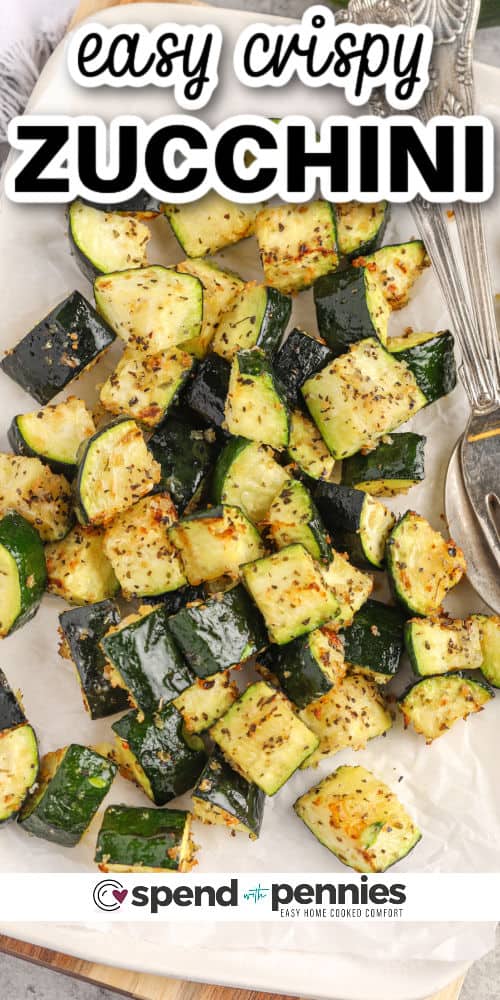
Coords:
433,365
139,837
185,455
375,638
342,310
206,394
297,671
86,456
141,204
341,508
179,767
299,357
403,458
44,371
11,713
23,544
276,317
174,600
219,633
220,786
20,446
83,628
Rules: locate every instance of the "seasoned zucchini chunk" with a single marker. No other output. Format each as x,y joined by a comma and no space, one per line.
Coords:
307,667
248,476
143,659
299,357
41,497
153,753
434,704
346,717
360,226
489,637
137,545
153,308
144,386
360,397
53,434
256,317
350,306
18,768
262,738
392,468
307,449
223,798
396,268
422,566
23,573
297,243
11,709
431,358
106,241
293,517
373,643
145,840
291,592
358,524
350,587
206,701
255,406
115,470
215,542
219,288
207,393
210,224
359,819
185,451
72,783
78,569
438,645
219,633
68,340
81,630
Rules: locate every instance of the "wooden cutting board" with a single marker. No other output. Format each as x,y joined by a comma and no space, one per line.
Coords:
136,984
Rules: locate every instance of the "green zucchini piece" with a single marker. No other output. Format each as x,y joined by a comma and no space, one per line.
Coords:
223,798
19,768
153,308
219,633
141,206
346,717
262,738
53,434
256,317
215,542
360,226
294,517
255,407
106,241
297,244
307,449
206,701
81,630
115,470
72,784
136,543
210,224
248,476
71,338
78,569
145,840
373,643
358,524
185,452
431,358
361,396
41,497
489,636
219,288
174,600
439,645
290,591
154,754
392,468
145,386
23,573
359,819
350,306
144,659
422,566
350,586
299,357
307,667
396,268
11,710
434,704
207,393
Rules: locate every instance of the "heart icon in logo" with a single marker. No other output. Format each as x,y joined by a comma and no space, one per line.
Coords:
120,894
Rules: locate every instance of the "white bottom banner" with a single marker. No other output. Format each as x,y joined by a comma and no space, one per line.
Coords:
277,896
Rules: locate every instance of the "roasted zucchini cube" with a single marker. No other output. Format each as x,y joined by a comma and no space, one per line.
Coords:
78,569
145,840
396,268
358,524
153,753
360,226
262,738
359,819
106,241
144,385
434,704
219,289
215,542
291,593
307,449
255,406
23,573
206,700
248,476
373,643
297,244
137,545
223,798
41,497
219,633
53,434
293,517
299,357
438,645
211,223
350,305
256,317
346,717
350,587
422,566
431,358
19,764
58,349
489,636
71,786
81,630
307,667
185,449
392,468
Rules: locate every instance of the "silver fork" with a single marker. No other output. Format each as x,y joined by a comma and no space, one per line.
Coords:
473,316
